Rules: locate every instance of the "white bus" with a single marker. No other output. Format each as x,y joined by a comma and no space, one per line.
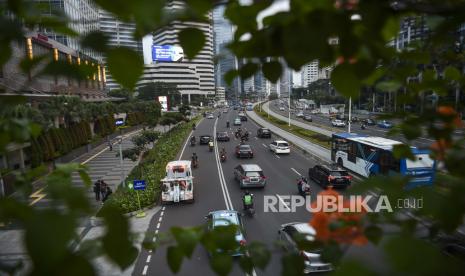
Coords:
178,184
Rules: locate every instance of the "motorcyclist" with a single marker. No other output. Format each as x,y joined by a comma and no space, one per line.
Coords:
227,124
210,144
363,126
192,140
247,199
195,159
223,154
301,182
193,126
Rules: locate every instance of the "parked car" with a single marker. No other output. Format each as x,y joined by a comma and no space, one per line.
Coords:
291,233
385,124
330,175
244,151
282,108
369,122
300,114
222,136
315,111
204,139
210,116
263,133
280,146
226,218
249,175
308,118
338,123
237,121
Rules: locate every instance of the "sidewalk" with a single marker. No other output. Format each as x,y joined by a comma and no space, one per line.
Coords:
318,151
103,164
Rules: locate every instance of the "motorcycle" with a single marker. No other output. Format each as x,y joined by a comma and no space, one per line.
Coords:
363,126
303,187
245,137
222,157
192,142
249,210
195,163
237,134
227,124
210,147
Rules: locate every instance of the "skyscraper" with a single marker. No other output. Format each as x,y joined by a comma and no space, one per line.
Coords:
201,67
119,34
309,73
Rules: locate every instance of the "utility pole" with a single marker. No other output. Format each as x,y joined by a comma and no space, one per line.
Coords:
289,108
121,157
350,114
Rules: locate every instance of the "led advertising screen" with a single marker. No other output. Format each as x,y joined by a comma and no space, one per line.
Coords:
163,100
167,53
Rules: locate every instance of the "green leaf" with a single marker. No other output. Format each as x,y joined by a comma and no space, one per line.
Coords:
187,239
230,76
389,86
192,41
125,65
293,265
272,70
353,268
373,233
391,28
248,70
174,256
95,40
260,254
221,263
345,80
246,264
85,177
122,8
402,151
451,73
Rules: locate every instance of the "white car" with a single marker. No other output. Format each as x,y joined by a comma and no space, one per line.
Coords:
300,114
280,146
281,108
210,116
338,123
237,122
315,111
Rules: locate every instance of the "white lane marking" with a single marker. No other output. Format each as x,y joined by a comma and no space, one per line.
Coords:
95,155
256,138
162,213
185,144
150,250
224,188
148,258
275,155
154,239
158,225
265,145
296,171
156,231
282,201
160,219
163,209
144,272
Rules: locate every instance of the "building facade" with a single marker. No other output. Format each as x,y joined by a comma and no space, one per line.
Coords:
119,34
201,66
310,73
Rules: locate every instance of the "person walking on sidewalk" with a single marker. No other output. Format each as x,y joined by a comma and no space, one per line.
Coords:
110,145
103,188
108,192
97,187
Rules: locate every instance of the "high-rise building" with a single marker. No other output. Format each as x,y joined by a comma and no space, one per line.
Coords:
201,65
413,28
309,73
83,18
119,34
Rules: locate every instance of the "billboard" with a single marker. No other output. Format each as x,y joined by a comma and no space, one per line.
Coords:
167,53
163,100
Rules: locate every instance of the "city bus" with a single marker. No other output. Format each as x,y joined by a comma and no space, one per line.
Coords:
178,184
369,155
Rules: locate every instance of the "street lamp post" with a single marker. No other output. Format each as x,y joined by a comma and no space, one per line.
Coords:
121,157
350,114
289,109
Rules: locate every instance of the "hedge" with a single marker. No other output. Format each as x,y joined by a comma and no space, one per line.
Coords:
152,169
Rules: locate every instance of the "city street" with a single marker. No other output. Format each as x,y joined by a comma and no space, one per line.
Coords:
216,189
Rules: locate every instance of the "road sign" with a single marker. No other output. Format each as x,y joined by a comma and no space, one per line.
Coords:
139,184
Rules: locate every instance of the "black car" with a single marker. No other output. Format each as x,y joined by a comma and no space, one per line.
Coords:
263,133
204,139
222,136
369,122
330,175
244,151
243,118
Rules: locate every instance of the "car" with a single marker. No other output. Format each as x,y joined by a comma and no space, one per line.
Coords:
222,136
249,176
308,118
243,118
222,218
369,122
290,234
225,110
204,139
237,121
210,116
264,133
315,111
280,146
326,175
300,114
235,107
338,123
282,108
244,151
384,124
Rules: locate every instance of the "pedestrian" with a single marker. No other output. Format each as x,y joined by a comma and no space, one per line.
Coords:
110,145
103,188
108,192
97,187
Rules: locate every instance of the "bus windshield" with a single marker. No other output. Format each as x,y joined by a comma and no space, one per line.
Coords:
421,161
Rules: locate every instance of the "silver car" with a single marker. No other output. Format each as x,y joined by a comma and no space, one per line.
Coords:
249,175
289,233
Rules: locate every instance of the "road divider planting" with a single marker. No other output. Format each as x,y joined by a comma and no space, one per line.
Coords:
309,135
151,169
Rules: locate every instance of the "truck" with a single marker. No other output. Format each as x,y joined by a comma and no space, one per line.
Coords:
178,183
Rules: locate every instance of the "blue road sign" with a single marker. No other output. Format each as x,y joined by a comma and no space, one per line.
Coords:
139,184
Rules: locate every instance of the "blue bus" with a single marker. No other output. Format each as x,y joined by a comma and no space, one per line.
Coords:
369,155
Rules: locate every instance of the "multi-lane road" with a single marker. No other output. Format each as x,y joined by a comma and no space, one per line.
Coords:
216,189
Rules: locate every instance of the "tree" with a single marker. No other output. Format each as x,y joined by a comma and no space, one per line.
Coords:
151,91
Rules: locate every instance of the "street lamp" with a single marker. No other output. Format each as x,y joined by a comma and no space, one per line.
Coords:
350,114
121,156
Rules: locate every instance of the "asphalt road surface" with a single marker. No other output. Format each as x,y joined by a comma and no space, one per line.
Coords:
216,189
